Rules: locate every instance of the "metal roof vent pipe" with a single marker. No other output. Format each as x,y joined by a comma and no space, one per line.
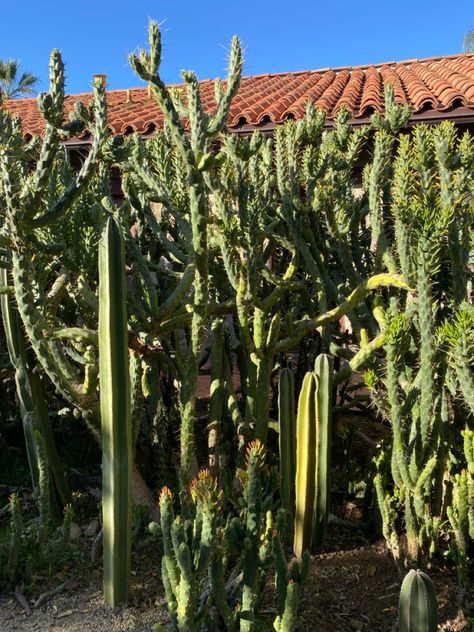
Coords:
100,79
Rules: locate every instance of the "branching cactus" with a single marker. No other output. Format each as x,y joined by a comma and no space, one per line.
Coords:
215,568
427,337
194,151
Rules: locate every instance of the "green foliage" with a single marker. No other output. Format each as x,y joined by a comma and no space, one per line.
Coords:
11,84
32,545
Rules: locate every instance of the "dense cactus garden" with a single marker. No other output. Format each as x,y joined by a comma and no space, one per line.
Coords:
213,345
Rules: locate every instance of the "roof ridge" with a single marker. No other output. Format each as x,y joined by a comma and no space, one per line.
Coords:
377,65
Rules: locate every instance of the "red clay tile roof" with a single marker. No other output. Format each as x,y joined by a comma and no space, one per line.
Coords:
438,84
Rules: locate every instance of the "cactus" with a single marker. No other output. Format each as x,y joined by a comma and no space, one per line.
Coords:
214,568
16,530
306,451
417,607
286,437
115,414
324,375
313,454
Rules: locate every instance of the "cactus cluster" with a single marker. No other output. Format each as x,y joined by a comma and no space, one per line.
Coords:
238,251
313,456
215,564
34,544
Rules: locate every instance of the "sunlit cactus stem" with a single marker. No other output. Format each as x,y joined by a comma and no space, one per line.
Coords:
324,375
305,488
115,415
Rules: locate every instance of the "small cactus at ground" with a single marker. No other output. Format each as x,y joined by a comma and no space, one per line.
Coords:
417,607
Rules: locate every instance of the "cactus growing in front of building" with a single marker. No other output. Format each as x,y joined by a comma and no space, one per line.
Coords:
115,415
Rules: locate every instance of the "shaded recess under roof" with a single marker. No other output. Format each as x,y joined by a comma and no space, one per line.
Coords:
437,87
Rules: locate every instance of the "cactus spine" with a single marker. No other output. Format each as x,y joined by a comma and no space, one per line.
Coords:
417,607
115,415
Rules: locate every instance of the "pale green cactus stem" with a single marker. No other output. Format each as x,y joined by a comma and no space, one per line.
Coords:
305,487
115,409
287,439
417,606
324,374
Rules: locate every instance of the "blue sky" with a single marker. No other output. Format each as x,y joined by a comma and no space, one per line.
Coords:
95,35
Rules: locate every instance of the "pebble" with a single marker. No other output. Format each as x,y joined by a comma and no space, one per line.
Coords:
74,532
92,528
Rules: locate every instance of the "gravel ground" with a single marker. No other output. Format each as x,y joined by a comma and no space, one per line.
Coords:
354,589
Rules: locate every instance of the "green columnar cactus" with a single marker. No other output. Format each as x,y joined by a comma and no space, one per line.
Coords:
43,492
417,607
16,531
306,464
287,439
324,375
115,415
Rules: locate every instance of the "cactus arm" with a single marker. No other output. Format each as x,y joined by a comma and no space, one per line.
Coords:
360,358
87,169
16,532
223,106
216,398
303,327
54,102
44,350
115,415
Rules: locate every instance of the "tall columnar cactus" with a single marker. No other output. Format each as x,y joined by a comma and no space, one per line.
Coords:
115,415
417,607
306,464
287,439
324,375
313,456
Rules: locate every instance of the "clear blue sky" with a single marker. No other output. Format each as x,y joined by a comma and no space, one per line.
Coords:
96,35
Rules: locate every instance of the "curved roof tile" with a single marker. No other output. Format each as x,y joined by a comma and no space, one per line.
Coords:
440,83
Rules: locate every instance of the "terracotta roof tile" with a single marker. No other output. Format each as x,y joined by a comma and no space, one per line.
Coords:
441,84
